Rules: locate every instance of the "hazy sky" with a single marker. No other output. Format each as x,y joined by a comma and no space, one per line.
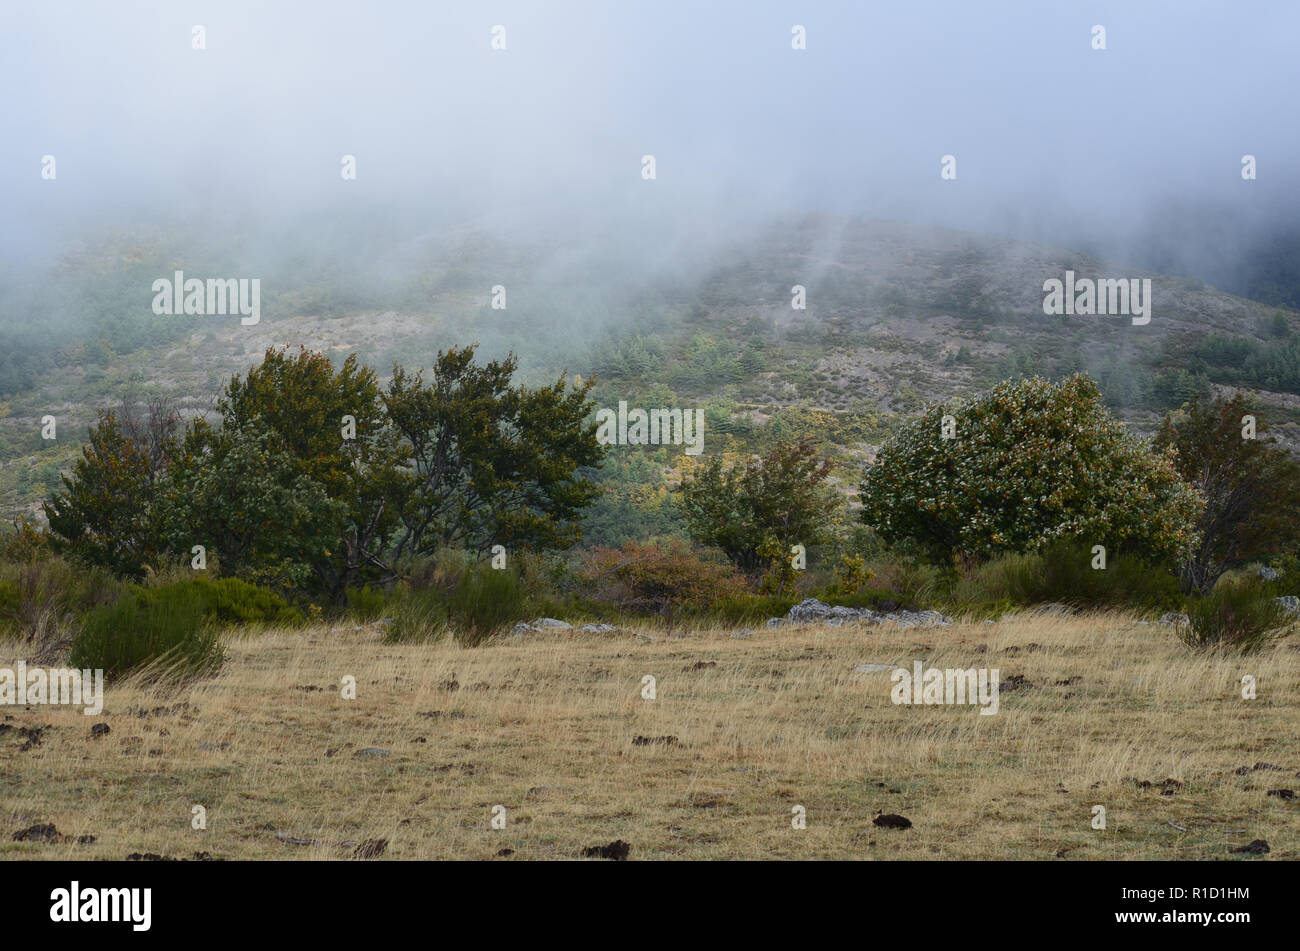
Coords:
1052,138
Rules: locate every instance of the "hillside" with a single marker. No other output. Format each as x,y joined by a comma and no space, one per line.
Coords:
896,315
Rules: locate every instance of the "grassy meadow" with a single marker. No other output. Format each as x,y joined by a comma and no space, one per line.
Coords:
1096,709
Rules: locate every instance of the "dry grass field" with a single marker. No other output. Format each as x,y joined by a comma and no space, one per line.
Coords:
546,726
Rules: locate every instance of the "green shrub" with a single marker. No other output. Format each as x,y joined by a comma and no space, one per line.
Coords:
227,601
366,604
1235,617
484,599
418,616
41,598
168,634
1029,464
1063,573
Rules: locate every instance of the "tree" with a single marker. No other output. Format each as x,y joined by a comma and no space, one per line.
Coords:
241,494
1251,486
1028,463
107,513
334,426
756,511
491,463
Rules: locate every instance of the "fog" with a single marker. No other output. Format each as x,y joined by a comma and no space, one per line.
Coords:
240,144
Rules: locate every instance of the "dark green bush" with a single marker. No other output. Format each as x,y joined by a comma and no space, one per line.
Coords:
1237,617
228,601
484,599
169,634
1063,573
366,603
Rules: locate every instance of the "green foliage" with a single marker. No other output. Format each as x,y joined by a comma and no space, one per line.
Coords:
224,602
168,634
366,603
484,600
757,510
108,514
40,598
317,480
418,616
1031,462
242,496
1271,365
1251,486
1233,618
490,463
1063,573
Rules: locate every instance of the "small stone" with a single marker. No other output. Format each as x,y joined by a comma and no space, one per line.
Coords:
1258,847
371,751
99,729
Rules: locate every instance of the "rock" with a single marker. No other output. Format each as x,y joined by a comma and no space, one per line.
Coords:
775,621
745,633
1290,603
1268,574
617,851
371,751
1258,847
892,822
522,628
1173,617
810,610
599,629
986,621
99,729
1282,793
296,839
550,623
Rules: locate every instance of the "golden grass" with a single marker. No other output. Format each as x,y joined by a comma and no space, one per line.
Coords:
544,726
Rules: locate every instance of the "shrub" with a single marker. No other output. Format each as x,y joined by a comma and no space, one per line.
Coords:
660,579
1030,463
1251,487
1233,617
755,511
40,599
168,634
366,603
1063,573
419,615
226,601
484,599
